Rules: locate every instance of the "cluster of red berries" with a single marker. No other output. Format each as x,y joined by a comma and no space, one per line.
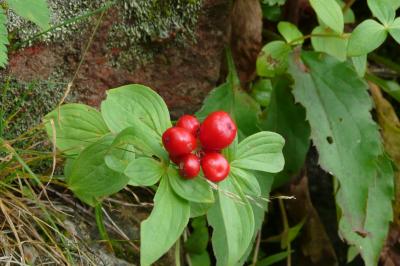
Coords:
215,133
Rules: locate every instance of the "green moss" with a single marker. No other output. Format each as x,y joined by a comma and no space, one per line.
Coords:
23,105
142,28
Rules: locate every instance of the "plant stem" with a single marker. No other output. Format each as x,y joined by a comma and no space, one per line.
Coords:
178,252
286,231
98,209
384,61
308,36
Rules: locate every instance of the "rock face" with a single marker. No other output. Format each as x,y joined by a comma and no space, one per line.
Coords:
182,74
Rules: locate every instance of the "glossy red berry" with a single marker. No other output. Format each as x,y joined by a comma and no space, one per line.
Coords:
178,141
190,123
215,167
217,131
189,166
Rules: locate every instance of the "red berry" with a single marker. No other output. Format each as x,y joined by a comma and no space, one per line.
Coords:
189,166
178,141
215,167
190,123
217,131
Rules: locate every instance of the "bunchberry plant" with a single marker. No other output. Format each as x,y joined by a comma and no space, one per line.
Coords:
132,141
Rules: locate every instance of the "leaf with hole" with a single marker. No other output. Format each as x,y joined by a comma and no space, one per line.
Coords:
347,139
273,59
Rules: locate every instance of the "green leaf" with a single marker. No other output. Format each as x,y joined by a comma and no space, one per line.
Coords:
165,224
288,119
3,38
389,86
261,91
36,11
76,127
198,209
144,171
198,240
90,178
379,214
247,181
121,152
193,190
360,64
366,37
202,259
383,10
134,105
333,45
394,30
330,13
271,260
232,222
290,32
273,59
232,99
347,139
261,151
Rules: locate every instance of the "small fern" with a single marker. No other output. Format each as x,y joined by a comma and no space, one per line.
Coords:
3,38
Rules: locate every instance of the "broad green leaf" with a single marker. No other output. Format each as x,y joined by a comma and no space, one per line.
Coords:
383,10
259,206
290,32
231,218
76,127
347,139
89,177
247,181
273,59
36,11
144,171
330,13
145,141
193,190
360,64
334,44
395,4
366,37
379,214
165,224
3,38
288,119
132,105
121,152
389,86
271,13
261,151
261,91
232,99
394,30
